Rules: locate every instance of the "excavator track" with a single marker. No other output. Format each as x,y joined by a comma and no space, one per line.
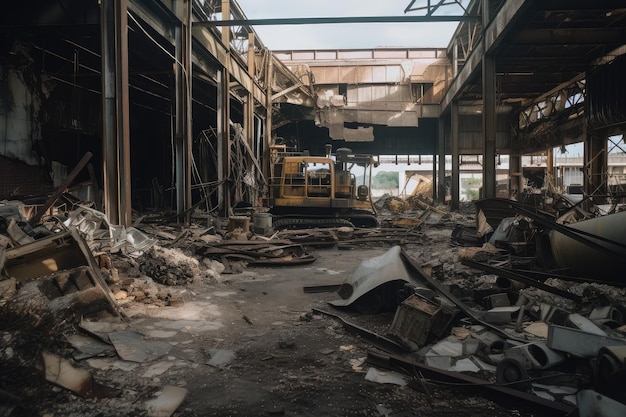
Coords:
363,220
309,223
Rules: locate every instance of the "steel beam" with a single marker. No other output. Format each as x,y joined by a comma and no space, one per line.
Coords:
455,142
596,166
572,36
515,174
223,140
334,20
441,172
493,35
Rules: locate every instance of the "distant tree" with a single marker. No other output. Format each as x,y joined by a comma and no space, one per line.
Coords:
473,186
386,180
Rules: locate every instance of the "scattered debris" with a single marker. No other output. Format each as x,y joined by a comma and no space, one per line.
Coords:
486,303
60,372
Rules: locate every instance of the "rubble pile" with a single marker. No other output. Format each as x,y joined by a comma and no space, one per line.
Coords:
499,313
170,266
463,298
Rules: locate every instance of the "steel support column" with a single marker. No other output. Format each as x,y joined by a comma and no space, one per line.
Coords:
248,117
596,166
183,106
269,77
454,139
248,108
223,120
441,172
115,112
550,169
489,126
223,140
488,111
515,175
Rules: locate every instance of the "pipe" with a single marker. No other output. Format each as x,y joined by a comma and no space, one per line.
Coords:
555,250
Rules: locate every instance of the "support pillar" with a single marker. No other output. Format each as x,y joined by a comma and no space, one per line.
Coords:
441,171
515,175
489,126
223,121
489,113
550,178
223,140
115,110
454,139
596,166
269,81
248,114
183,106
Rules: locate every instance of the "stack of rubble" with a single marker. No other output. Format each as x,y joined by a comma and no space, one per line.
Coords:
554,341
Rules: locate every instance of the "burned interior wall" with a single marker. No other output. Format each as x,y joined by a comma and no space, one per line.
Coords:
51,102
471,140
606,94
21,98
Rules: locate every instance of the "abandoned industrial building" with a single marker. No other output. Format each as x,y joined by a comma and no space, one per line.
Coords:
194,222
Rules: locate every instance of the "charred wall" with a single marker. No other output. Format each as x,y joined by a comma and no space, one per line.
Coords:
606,94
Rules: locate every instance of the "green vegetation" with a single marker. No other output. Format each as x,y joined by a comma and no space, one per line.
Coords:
386,180
472,187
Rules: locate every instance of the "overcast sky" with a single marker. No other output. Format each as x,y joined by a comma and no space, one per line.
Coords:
345,36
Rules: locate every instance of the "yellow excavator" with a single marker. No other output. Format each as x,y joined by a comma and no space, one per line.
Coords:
322,191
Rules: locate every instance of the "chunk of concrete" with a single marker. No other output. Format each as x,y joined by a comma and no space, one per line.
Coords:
167,401
61,372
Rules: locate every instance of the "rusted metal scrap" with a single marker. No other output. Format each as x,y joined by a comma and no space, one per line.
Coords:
492,391
258,253
606,258
503,272
593,247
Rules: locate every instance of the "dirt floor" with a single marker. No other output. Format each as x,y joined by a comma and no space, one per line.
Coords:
250,341
295,363
255,344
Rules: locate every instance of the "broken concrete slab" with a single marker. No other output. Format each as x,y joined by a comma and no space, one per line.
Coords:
132,347
166,402
157,368
385,377
221,357
61,372
102,328
87,347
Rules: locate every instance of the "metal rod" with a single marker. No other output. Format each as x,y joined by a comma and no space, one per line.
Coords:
61,189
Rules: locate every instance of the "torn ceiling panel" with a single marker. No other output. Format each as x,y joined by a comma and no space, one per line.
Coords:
292,87
360,134
385,105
